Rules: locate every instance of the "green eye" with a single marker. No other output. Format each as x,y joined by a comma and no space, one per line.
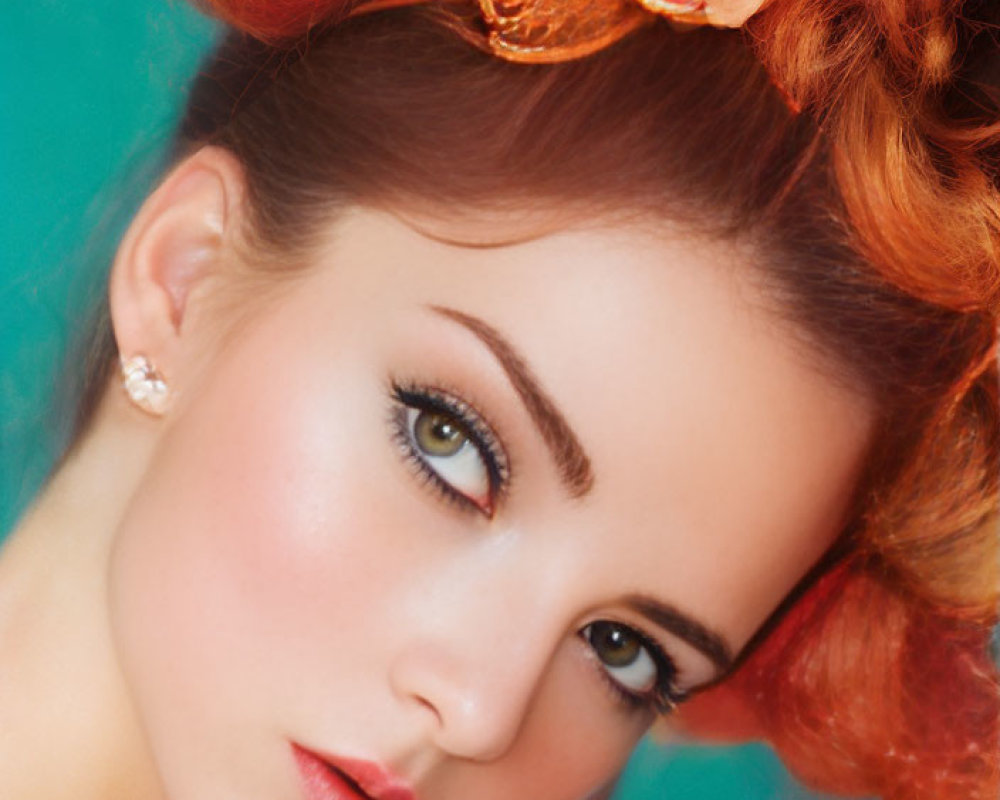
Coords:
452,446
615,645
624,655
447,451
438,434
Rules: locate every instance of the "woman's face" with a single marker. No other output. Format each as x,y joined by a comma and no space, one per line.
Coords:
469,513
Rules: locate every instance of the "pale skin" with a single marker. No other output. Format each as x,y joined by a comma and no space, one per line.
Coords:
266,563
733,13
721,13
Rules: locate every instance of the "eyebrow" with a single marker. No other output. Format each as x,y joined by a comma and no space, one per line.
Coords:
707,642
571,460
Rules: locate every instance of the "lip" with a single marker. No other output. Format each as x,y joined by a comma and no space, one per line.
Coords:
328,777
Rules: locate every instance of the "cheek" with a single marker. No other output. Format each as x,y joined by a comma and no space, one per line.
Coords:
571,746
239,496
260,531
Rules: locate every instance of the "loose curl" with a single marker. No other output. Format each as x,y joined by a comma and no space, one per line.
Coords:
879,680
873,216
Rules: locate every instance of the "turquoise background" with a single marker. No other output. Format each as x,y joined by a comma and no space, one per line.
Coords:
88,95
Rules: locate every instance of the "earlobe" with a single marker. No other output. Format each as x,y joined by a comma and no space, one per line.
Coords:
182,234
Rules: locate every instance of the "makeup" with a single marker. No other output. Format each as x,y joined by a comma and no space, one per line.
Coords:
335,778
414,403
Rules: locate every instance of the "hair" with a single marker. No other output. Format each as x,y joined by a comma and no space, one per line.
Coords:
872,217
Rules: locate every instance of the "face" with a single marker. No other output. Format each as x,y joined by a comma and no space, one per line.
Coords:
469,515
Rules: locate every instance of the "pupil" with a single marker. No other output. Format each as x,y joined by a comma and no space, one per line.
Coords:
443,429
615,645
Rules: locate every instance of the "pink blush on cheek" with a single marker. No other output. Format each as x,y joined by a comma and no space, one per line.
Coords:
253,541
256,501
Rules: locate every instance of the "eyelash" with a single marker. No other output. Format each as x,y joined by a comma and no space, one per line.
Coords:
663,698
480,434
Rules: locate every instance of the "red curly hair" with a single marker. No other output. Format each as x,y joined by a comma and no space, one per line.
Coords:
876,215
903,625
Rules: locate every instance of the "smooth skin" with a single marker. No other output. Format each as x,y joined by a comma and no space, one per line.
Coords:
720,13
733,13
269,563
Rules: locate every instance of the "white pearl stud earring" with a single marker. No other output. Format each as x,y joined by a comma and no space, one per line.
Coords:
144,385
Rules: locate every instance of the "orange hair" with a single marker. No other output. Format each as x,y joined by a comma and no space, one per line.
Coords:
879,680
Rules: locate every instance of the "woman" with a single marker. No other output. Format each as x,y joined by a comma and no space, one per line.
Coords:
460,438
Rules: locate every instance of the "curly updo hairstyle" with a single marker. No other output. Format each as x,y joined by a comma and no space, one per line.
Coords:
872,217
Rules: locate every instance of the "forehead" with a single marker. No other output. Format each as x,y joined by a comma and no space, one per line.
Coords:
724,458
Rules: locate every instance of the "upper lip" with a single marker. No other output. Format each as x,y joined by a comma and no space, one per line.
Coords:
376,781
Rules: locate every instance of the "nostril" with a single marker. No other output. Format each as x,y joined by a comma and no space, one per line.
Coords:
432,710
419,688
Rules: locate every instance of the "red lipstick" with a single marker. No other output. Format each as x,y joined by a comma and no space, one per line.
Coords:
334,778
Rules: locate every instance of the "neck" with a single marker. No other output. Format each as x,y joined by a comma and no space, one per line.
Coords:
67,725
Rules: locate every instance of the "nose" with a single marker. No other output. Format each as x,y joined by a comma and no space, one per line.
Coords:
475,691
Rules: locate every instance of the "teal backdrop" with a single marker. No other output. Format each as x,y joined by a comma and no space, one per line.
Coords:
89,92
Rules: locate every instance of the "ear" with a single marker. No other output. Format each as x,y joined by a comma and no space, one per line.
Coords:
181,235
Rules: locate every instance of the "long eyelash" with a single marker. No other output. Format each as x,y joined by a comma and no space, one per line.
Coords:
664,697
479,431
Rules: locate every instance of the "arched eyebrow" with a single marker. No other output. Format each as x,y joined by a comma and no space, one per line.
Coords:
706,641
571,460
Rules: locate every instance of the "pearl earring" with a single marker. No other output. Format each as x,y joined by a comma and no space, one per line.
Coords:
144,385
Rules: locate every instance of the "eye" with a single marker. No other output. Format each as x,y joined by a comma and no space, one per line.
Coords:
623,655
637,668
446,448
452,446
